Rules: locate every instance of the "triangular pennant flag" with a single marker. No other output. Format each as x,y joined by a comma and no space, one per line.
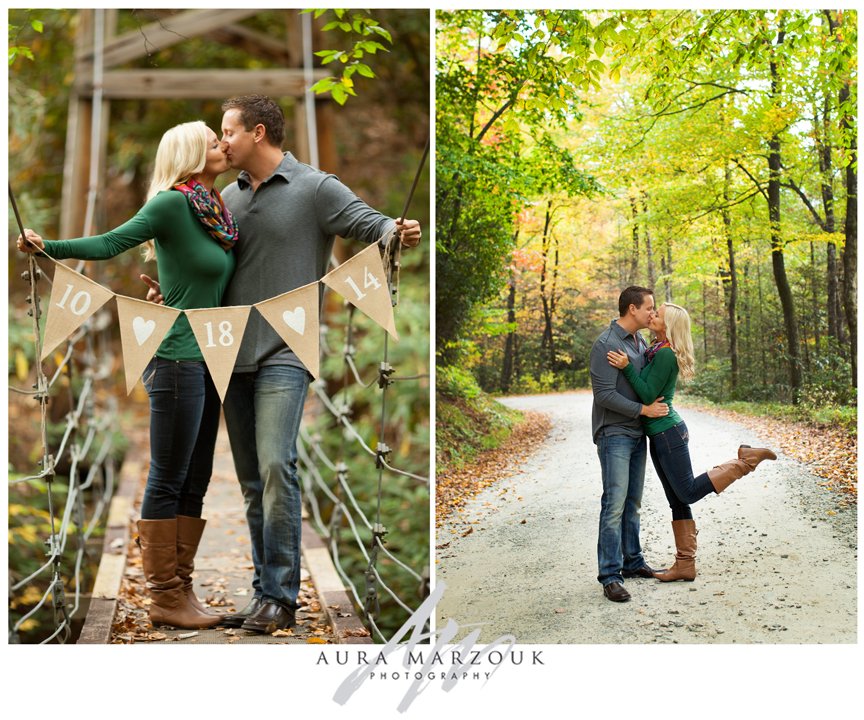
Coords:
294,316
143,325
361,281
74,298
219,332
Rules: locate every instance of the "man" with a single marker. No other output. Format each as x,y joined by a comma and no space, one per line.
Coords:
288,214
617,432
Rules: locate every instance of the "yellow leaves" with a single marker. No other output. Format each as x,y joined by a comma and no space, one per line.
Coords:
455,488
30,596
22,365
316,641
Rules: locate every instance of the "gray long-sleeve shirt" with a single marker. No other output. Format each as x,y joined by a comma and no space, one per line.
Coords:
616,406
287,228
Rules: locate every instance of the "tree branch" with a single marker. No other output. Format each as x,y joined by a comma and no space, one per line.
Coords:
793,186
753,179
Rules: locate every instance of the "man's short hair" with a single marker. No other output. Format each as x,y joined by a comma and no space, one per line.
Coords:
259,110
633,295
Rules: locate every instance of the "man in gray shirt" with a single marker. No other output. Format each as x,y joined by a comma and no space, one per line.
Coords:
621,446
288,214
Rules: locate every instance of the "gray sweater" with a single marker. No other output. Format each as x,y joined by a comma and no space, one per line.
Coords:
616,406
287,228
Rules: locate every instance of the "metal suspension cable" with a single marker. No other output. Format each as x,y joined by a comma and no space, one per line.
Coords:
82,432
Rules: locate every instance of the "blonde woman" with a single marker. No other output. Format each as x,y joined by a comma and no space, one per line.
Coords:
191,234
671,355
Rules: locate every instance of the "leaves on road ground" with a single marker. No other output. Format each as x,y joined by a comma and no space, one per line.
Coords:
829,452
454,488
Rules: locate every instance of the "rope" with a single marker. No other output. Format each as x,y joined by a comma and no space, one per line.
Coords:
81,433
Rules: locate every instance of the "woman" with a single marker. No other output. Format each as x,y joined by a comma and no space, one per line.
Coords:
671,353
190,231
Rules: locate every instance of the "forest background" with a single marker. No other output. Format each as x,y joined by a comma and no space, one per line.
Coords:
379,136
709,155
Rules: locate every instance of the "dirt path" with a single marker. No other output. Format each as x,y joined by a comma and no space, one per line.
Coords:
777,560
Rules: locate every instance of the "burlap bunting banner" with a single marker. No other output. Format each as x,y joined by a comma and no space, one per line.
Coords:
143,325
361,281
294,316
219,332
74,299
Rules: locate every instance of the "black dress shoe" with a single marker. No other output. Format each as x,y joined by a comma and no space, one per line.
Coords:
237,619
642,572
270,617
615,592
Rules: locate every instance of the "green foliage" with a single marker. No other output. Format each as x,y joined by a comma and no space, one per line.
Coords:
453,381
467,421
676,139
528,385
15,33
711,381
844,416
356,23
503,79
30,525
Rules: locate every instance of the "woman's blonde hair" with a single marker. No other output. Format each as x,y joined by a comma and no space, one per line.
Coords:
182,153
678,333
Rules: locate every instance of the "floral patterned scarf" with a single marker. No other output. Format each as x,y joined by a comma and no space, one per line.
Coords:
652,351
211,211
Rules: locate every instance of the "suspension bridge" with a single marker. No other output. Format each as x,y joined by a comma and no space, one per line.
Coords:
361,580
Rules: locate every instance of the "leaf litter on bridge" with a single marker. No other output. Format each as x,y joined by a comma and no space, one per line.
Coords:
222,576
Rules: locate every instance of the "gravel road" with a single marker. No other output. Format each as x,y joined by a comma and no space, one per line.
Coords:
777,559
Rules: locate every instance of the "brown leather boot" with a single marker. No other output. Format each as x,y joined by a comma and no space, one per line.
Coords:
684,567
168,602
722,476
189,531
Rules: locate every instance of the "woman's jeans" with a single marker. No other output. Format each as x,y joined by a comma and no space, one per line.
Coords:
622,466
671,457
184,420
263,410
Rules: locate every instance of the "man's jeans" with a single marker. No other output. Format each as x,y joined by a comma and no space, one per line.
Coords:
184,421
671,457
622,464
262,412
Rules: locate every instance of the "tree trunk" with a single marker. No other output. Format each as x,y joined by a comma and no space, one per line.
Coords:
778,262
824,149
850,252
667,270
649,251
634,258
548,342
814,274
730,282
510,342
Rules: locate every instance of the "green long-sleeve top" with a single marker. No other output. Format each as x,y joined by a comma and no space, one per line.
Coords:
194,270
657,379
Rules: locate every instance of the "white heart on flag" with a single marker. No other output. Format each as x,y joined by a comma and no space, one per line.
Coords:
143,329
295,319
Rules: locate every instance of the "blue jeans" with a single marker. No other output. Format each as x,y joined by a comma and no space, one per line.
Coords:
671,457
622,465
184,420
263,410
